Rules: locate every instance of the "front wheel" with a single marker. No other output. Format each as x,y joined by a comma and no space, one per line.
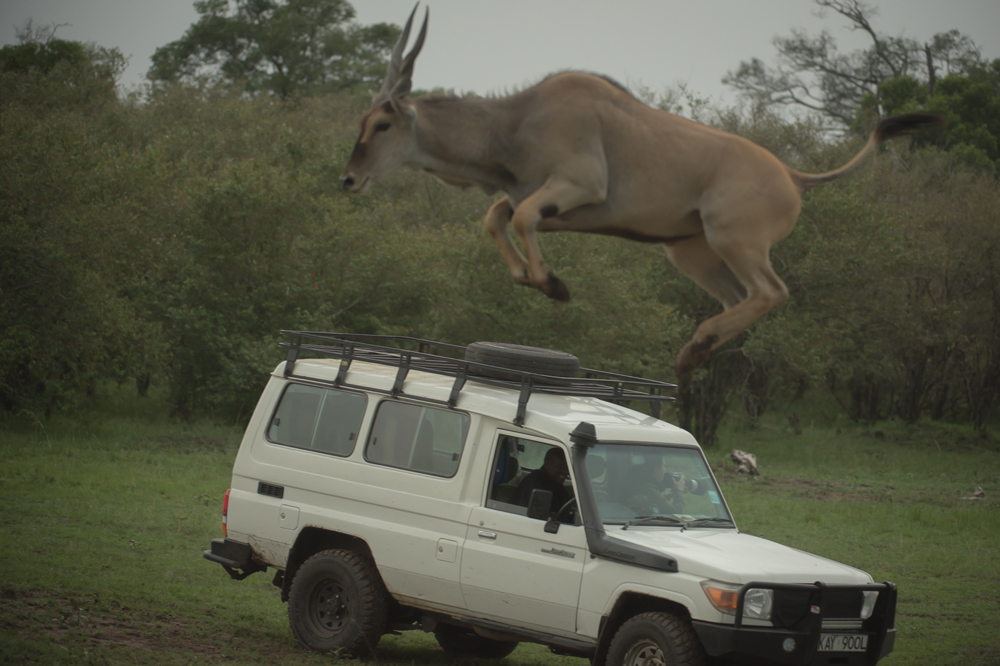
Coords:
656,639
337,602
467,643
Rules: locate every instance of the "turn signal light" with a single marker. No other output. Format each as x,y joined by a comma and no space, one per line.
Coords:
868,606
722,595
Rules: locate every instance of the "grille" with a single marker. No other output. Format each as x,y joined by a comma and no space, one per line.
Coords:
842,603
841,625
841,608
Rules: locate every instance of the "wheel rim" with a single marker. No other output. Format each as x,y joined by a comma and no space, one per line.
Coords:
644,653
330,607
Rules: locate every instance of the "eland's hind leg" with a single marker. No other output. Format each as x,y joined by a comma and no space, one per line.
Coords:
765,291
741,221
695,258
745,249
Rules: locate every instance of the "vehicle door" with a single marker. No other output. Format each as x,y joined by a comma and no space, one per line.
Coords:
512,568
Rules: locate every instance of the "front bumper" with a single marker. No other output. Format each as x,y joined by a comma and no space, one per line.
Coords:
796,642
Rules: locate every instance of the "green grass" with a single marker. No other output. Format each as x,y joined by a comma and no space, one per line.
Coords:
889,500
103,518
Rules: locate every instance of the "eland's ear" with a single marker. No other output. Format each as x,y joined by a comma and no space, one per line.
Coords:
399,106
398,78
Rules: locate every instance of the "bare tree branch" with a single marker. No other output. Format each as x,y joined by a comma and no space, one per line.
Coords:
811,74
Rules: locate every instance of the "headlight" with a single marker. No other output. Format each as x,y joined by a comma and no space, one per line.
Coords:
868,605
757,604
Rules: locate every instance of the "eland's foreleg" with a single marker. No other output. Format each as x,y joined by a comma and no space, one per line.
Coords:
496,222
558,195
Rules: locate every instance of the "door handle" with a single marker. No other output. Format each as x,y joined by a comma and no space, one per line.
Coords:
487,535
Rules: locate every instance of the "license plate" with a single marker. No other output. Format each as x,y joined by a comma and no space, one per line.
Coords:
843,642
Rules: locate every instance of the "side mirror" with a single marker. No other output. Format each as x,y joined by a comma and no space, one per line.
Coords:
540,504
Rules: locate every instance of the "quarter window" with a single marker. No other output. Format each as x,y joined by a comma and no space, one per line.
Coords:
318,419
418,438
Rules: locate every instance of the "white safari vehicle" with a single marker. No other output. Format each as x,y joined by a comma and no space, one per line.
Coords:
498,493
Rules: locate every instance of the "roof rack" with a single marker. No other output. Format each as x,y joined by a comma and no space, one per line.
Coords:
351,347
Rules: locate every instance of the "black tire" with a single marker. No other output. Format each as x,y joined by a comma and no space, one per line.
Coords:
521,359
463,642
656,639
337,602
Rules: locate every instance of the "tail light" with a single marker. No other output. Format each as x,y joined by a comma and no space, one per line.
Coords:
225,512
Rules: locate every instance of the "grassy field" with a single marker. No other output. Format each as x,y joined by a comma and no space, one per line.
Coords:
103,518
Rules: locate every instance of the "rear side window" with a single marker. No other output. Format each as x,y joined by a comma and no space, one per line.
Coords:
418,438
318,419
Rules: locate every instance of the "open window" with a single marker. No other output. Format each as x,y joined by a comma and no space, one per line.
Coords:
517,467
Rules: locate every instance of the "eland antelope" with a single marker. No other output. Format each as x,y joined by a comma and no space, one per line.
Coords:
577,152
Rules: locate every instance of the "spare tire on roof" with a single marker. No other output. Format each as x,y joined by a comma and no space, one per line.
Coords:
521,358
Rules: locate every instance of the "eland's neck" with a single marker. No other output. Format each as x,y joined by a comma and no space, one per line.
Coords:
457,141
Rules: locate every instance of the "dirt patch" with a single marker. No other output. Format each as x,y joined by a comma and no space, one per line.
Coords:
66,621
815,489
834,491
87,623
830,490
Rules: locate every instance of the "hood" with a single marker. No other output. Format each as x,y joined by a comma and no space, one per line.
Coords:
729,556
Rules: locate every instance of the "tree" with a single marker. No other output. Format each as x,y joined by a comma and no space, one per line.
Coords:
286,48
63,323
811,74
46,73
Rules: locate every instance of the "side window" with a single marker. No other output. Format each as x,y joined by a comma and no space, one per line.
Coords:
418,438
507,472
319,419
519,466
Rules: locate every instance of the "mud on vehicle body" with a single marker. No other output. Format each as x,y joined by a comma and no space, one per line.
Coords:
499,494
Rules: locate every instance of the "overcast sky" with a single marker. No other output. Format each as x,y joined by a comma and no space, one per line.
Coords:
488,46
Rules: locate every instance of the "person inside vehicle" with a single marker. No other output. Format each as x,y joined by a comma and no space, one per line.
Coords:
661,491
550,476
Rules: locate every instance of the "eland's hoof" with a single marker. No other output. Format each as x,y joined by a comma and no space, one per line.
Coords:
556,289
694,354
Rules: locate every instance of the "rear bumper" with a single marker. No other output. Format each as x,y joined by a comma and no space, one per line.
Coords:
798,645
235,557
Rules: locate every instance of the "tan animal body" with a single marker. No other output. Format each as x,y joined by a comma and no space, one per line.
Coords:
577,152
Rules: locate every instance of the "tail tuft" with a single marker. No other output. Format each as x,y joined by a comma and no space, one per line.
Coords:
907,123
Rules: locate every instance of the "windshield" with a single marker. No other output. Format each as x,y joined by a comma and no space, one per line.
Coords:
655,485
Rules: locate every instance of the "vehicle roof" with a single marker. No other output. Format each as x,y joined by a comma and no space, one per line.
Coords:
552,415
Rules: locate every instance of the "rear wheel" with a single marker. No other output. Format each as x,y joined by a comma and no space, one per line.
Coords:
337,602
467,643
656,639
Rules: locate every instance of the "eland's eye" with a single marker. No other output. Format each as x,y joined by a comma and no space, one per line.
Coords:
381,127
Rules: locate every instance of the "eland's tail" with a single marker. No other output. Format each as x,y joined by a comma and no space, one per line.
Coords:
889,128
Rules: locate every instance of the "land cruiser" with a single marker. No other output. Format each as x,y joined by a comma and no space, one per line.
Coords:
497,493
